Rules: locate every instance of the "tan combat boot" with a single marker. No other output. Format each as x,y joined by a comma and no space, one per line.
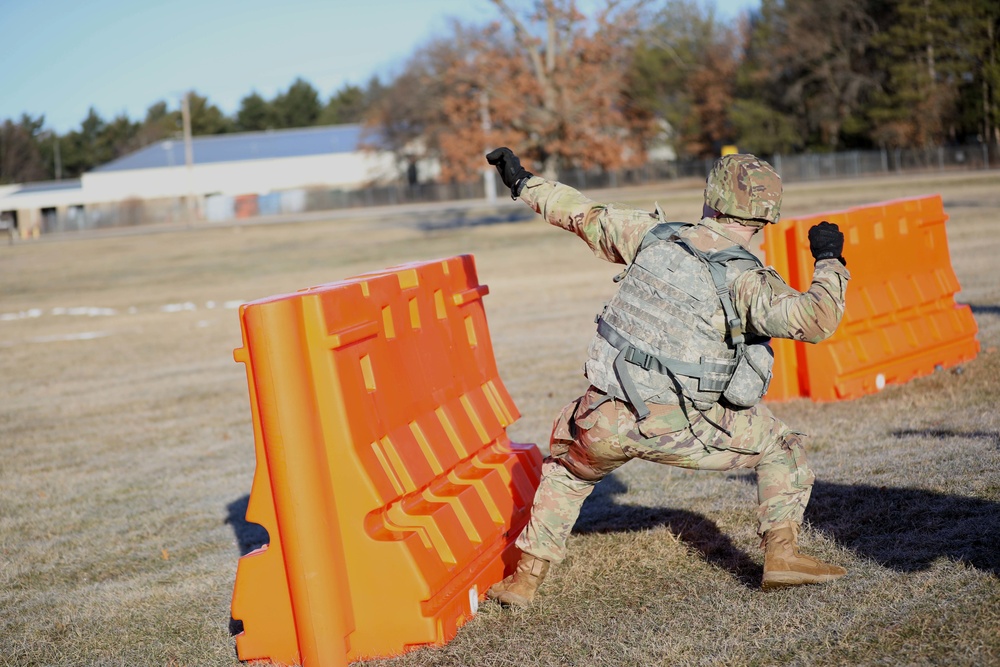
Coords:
785,566
519,588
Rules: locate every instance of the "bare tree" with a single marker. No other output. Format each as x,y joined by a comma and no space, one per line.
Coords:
568,71
20,158
549,82
815,62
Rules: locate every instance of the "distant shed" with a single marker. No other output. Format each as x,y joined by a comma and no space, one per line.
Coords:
156,178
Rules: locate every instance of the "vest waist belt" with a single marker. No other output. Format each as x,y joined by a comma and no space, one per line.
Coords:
712,374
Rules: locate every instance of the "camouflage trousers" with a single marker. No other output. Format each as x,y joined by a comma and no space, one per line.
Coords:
591,438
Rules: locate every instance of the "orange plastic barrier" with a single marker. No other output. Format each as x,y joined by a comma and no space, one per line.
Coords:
782,250
385,478
901,320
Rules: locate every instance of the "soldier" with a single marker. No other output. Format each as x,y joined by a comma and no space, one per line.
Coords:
680,360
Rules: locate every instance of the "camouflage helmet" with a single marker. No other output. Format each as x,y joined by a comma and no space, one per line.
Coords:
745,187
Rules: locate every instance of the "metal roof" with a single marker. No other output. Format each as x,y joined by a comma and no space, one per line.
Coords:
243,146
46,186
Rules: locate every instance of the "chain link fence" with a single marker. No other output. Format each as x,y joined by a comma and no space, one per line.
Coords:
809,166
793,168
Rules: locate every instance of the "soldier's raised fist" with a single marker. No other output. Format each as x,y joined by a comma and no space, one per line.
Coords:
826,241
512,173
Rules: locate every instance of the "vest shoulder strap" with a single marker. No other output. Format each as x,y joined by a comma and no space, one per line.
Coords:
716,262
670,231
662,232
732,253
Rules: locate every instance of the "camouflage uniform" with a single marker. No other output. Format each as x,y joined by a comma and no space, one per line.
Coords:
594,435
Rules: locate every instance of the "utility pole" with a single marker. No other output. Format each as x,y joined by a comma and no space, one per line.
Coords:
188,156
45,135
57,155
489,182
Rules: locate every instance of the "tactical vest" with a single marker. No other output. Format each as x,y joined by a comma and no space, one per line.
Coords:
661,335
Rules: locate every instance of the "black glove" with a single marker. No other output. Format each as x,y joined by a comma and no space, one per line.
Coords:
826,241
512,173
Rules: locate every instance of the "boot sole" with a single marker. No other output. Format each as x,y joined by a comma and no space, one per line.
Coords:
508,599
776,581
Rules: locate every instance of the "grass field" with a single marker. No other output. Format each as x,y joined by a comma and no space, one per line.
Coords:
126,456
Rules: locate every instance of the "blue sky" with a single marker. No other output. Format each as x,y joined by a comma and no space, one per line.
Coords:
60,57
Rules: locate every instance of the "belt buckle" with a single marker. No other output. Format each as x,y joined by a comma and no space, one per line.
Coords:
645,361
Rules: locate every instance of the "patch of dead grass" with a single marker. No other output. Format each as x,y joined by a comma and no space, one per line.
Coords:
126,459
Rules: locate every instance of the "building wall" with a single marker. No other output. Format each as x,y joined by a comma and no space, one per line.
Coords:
338,170
122,197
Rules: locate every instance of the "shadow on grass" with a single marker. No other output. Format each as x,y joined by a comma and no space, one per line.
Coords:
249,536
451,219
602,513
899,528
908,529
984,310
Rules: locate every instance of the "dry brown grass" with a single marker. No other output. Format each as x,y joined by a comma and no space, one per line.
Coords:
127,457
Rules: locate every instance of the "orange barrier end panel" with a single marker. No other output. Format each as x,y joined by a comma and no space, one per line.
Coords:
380,421
901,320
778,245
262,601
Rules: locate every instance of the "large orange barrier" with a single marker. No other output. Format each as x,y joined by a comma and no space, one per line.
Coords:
901,320
385,479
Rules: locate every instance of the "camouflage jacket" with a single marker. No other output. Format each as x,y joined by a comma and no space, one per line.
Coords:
766,304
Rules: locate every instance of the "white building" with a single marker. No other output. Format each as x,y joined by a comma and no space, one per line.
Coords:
228,176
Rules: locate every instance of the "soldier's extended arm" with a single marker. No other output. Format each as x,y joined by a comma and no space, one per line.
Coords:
612,231
769,307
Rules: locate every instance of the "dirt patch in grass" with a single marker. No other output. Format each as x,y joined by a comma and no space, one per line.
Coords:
127,451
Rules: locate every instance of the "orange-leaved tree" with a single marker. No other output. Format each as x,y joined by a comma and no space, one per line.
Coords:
564,76
546,81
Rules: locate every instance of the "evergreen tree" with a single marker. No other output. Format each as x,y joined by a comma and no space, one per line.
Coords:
979,84
812,65
299,106
943,74
83,147
255,114
206,118
347,105
160,123
118,138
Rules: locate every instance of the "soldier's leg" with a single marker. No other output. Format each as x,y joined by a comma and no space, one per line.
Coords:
725,439
784,478
555,509
755,439
784,484
554,512
584,450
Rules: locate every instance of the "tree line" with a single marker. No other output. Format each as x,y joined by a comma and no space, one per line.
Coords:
599,89
29,152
